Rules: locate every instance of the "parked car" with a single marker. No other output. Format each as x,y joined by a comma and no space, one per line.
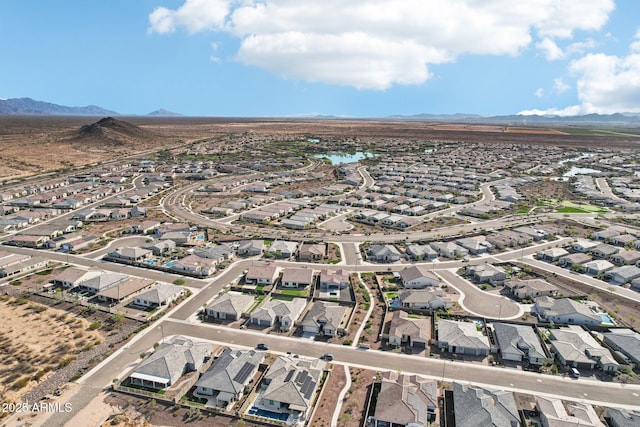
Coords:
262,346
575,373
327,356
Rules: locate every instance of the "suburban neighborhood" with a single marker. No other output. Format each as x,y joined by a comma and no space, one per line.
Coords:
413,288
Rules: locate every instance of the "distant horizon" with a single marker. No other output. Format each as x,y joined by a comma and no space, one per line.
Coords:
416,116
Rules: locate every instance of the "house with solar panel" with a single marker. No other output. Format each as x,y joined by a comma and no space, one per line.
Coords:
288,389
224,382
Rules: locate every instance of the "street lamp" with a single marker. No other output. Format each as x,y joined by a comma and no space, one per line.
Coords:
162,331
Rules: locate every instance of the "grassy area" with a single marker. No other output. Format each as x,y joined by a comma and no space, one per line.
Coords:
583,206
571,210
391,295
295,292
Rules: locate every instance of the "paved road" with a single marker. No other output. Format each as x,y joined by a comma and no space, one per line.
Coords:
479,302
583,389
603,185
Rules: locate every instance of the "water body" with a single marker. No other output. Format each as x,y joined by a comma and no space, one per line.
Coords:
341,158
575,159
579,171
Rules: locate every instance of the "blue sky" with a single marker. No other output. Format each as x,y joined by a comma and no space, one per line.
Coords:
359,58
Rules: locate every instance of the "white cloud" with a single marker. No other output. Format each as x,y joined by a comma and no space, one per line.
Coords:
559,86
194,15
606,84
539,93
550,49
374,44
635,45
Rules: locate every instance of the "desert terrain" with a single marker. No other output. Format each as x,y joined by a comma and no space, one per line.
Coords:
33,145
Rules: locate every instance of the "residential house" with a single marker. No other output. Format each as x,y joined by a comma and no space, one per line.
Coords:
625,341
583,245
13,264
420,252
312,252
418,276
565,311
100,282
324,318
333,280
519,343
606,234
230,306
262,274
227,378
170,361
449,249
530,288
70,277
552,254
622,275
193,264
384,253
250,247
29,241
476,406
423,300
597,266
124,289
162,247
405,400
604,251
553,413
130,254
625,257
289,385
281,314
617,417
282,249
415,332
577,258
577,348
623,240
461,338
487,273
160,295
297,277
475,245
218,253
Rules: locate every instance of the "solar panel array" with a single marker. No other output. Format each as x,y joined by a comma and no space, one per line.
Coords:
244,372
289,375
306,383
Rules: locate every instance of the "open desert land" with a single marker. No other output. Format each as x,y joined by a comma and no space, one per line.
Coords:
38,340
33,145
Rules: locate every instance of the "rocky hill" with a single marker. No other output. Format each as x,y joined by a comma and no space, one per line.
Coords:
111,130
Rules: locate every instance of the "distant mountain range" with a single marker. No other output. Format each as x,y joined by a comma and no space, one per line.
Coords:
31,107
28,106
164,113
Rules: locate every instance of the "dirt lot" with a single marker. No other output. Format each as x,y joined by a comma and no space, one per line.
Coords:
36,341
